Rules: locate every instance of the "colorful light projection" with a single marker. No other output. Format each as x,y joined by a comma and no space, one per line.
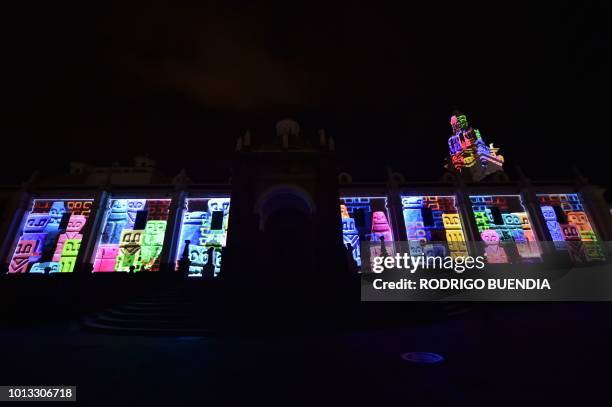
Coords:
51,236
469,153
433,226
133,235
204,224
365,219
505,228
569,226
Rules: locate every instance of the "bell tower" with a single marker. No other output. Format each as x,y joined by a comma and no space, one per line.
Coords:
284,218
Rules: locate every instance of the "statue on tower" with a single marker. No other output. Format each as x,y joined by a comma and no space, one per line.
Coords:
288,131
469,154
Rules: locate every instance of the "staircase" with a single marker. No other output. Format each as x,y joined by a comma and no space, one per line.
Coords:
195,307
186,308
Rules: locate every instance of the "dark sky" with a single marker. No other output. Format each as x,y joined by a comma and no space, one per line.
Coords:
104,81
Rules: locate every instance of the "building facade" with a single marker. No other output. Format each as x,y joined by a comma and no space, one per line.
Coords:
288,205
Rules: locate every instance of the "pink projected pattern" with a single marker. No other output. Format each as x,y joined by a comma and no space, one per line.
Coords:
51,236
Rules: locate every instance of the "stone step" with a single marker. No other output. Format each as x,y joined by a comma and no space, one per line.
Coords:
153,307
179,310
93,324
117,313
192,323
187,311
177,302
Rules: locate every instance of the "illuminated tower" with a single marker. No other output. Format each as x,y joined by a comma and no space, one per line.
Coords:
469,154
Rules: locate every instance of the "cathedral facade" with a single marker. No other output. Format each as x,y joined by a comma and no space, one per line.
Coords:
288,204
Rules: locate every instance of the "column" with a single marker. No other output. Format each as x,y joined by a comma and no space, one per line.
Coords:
91,232
597,210
173,227
394,204
538,223
464,205
24,200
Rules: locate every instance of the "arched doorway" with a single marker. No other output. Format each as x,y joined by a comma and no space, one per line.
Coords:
287,233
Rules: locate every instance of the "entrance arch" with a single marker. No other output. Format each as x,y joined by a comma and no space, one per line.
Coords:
286,226
283,196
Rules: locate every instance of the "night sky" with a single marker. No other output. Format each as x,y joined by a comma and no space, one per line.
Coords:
103,81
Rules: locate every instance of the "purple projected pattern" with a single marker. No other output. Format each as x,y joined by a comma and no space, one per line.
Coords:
206,235
51,236
569,226
433,226
364,219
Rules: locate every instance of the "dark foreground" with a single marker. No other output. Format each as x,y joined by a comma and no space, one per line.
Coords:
536,354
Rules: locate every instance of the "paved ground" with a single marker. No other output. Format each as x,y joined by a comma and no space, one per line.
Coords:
535,353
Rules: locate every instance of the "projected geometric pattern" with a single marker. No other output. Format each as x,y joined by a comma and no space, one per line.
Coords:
132,235
469,151
364,219
51,236
569,226
204,224
433,226
503,224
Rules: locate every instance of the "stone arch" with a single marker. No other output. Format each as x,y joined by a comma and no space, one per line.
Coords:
283,196
398,178
345,178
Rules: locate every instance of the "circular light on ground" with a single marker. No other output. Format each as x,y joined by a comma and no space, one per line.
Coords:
422,357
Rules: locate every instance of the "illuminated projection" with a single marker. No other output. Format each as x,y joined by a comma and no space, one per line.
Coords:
569,226
433,226
468,151
504,226
204,224
133,235
365,219
51,236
